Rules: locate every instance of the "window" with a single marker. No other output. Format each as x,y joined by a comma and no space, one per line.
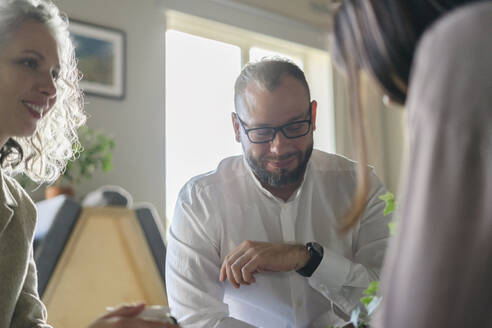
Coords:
203,59
200,75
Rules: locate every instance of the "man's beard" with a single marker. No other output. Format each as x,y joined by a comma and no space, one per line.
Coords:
283,177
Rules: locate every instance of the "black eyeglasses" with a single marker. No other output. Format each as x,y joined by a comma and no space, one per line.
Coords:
290,130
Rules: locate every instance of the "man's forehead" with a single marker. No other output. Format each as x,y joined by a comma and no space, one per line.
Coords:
252,94
290,95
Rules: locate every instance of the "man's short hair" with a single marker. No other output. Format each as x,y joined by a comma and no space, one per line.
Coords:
268,73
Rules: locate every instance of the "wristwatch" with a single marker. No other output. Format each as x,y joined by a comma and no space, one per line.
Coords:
316,255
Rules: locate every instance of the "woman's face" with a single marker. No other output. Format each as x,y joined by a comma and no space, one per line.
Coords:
29,66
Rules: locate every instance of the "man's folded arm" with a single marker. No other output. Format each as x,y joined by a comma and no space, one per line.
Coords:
192,271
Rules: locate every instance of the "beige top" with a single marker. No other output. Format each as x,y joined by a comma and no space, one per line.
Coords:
439,273
20,305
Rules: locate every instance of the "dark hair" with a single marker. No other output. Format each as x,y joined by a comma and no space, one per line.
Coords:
379,36
268,72
13,151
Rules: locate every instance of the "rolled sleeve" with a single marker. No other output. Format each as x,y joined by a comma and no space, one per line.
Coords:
343,279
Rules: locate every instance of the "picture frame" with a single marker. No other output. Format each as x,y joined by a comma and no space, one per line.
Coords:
101,55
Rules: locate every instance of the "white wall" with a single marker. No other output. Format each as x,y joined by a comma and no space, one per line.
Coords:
137,122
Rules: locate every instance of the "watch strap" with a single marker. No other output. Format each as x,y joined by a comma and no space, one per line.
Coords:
315,251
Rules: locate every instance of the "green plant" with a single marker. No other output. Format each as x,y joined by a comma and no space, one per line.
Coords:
360,317
390,207
93,152
371,300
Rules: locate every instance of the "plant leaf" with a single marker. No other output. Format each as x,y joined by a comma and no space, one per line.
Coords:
389,198
92,152
372,289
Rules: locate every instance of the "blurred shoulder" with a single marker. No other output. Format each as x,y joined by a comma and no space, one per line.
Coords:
452,70
466,27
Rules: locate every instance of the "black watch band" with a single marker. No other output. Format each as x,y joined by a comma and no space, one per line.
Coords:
316,255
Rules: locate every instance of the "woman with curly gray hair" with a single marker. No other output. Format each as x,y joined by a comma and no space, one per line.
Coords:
41,145
41,108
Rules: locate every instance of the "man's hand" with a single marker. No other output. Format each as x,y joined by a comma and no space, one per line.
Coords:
251,257
125,316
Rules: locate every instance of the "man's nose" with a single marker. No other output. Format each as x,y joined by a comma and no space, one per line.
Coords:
279,143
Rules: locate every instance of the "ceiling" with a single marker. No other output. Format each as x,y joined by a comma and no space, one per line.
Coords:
313,12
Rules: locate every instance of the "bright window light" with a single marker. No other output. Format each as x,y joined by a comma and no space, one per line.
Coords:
200,76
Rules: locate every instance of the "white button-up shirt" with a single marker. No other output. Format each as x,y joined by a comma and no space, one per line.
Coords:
217,211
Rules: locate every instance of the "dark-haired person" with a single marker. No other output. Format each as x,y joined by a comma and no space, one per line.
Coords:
256,242
40,111
434,56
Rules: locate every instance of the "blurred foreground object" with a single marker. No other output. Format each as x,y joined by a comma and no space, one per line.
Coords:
94,257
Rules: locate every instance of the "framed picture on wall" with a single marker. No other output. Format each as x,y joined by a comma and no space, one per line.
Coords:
100,52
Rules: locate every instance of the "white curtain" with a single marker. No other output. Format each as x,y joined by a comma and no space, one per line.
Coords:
385,129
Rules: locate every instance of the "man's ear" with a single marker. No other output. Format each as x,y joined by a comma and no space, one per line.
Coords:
314,106
235,125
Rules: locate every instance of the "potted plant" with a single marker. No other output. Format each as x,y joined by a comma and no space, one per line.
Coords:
93,152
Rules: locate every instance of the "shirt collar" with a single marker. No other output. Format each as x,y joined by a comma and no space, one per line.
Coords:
295,195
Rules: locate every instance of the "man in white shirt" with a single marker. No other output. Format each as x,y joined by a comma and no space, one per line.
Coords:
256,243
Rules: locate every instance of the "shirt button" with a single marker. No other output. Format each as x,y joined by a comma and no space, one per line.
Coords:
299,303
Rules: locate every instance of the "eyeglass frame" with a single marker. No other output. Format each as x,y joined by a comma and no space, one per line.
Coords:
278,128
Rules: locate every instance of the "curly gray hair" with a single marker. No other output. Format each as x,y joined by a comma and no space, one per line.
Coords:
43,155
